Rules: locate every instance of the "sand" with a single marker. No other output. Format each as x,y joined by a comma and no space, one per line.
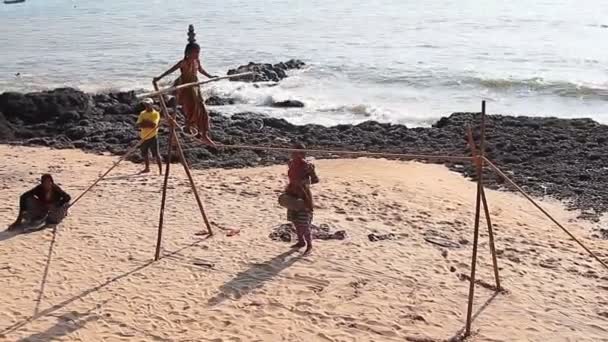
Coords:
93,279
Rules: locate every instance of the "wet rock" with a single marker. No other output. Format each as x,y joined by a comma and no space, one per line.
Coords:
42,106
264,72
219,101
288,104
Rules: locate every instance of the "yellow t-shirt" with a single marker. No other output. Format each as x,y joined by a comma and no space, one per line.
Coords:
153,116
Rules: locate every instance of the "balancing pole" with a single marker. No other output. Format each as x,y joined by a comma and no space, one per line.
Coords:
479,170
163,201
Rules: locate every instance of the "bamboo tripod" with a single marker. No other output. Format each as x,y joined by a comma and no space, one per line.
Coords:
174,138
479,158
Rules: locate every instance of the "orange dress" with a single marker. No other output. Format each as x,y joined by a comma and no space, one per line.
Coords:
191,99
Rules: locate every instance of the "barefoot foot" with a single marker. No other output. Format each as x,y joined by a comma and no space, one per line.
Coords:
308,251
298,245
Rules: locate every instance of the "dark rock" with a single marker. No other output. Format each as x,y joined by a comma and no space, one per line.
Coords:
69,116
127,97
288,104
76,133
42,106
119,108
264,72
39,141
278,123
6,130
219,101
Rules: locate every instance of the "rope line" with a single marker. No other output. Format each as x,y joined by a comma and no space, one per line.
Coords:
344,152
519,189
123,157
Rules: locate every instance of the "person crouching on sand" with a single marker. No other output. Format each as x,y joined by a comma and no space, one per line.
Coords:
297,197
148,122
47,201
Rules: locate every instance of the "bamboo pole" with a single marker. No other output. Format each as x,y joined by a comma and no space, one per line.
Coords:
161,218
182,159
476,228
491,238
191,84
486,209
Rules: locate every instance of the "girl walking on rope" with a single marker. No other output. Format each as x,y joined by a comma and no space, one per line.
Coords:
297,197
191,100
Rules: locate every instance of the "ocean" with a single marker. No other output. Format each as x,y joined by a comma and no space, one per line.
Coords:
397,61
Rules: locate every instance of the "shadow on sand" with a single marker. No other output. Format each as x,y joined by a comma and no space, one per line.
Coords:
58,306
253,278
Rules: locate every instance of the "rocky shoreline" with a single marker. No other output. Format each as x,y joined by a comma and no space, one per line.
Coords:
562,158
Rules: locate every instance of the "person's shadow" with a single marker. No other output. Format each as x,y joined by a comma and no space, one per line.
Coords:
253,278
9,234
66,324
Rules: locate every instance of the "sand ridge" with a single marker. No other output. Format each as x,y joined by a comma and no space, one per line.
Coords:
100,283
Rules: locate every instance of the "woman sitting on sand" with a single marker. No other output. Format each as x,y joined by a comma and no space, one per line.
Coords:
47,201
190,98
297,197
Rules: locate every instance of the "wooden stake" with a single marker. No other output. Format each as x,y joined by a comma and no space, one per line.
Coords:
479,168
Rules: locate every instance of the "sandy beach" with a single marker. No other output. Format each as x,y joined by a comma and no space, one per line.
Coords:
93,279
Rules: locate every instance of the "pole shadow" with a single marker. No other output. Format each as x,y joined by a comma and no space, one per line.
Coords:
253,278
65,325
459,336
87,292
45,274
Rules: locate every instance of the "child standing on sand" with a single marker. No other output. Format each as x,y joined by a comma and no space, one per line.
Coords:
297,197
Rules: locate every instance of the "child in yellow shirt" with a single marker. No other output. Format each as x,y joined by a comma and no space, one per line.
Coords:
148,122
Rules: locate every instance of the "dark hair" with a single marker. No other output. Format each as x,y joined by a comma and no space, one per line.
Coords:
299,146
46,176
192,45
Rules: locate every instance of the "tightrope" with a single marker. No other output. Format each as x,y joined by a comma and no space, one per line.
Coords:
520,190
122,158
340,152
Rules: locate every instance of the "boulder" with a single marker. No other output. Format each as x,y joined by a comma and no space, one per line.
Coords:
288,104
